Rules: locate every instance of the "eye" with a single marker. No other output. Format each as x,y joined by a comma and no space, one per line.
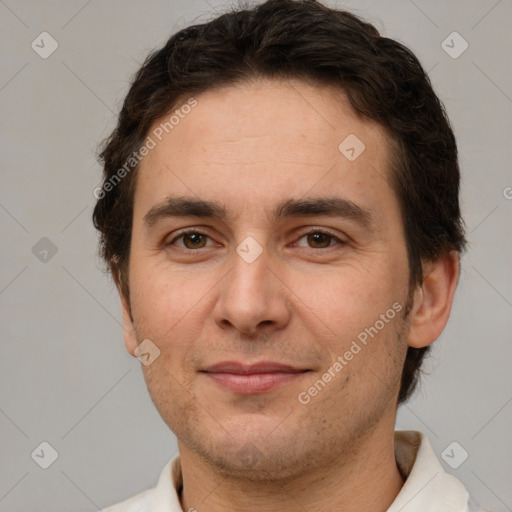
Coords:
315,239
319,239
192,239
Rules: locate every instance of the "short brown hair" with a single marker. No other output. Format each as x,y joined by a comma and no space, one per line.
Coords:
285,39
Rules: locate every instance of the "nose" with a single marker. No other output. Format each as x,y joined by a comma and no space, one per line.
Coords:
253,298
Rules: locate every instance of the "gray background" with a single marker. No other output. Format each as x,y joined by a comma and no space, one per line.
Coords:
65,375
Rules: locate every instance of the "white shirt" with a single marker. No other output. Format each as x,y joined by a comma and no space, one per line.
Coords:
427,488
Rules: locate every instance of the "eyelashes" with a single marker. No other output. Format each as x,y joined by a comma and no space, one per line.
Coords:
315,236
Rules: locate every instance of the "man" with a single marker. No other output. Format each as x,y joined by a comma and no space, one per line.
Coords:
280,214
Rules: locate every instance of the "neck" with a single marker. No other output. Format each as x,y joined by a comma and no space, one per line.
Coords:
365,477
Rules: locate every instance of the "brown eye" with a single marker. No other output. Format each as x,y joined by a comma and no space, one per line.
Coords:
194,240
319,240
191,240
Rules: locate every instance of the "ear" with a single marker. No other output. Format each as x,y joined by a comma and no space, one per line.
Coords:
130,338
433,300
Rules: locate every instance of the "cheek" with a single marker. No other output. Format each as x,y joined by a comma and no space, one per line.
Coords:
346,300
160,301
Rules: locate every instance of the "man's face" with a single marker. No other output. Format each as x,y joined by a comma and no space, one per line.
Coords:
296,289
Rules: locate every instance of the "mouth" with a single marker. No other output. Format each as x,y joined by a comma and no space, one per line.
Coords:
256,378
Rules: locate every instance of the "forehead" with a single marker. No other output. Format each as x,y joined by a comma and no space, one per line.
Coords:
255,143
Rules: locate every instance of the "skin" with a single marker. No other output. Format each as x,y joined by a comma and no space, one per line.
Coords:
301,302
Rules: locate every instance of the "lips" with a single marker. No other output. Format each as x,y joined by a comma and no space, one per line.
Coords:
241,369
255,378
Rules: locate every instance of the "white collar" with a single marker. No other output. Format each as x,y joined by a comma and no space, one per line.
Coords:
428,487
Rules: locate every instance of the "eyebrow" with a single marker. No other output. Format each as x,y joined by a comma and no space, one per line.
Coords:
192,207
